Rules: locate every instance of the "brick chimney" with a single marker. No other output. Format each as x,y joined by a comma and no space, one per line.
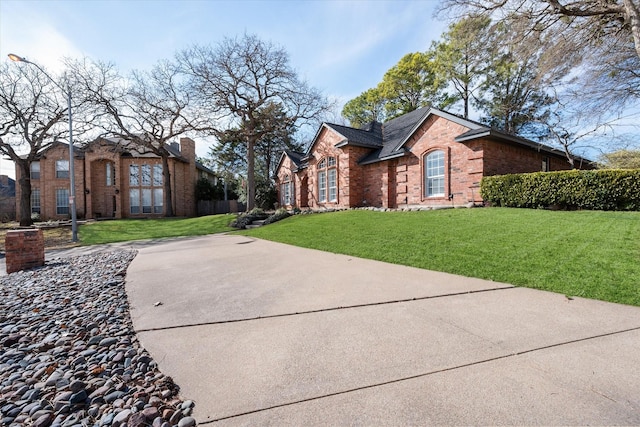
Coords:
188,151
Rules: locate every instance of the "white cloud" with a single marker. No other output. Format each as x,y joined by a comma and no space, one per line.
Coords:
31,35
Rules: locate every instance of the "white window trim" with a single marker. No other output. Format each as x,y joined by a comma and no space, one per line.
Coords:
429,179
327,193
322,185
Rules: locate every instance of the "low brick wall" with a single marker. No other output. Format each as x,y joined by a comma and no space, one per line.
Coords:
24,249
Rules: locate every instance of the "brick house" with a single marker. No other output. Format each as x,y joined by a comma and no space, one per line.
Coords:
113,181
427,157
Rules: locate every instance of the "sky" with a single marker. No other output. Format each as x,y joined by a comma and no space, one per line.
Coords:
340,47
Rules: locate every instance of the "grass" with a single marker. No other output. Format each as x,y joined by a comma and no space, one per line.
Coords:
139,229
591,254
54,238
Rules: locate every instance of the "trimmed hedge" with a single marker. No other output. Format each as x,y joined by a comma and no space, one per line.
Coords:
610,190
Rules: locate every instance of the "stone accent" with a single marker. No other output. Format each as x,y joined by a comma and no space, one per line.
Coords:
24,249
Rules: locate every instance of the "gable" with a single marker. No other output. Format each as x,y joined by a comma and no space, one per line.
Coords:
321,134
294,158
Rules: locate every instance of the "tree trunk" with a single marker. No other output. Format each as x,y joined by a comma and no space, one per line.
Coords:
25,193
633,15
168,198
466,86
251,176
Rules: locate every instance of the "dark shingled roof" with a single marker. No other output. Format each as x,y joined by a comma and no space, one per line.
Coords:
366,137
296,157
395,133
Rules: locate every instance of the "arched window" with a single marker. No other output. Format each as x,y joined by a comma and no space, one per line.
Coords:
434,174
328,180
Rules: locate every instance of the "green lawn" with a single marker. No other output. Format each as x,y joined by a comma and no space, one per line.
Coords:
590,254
139,229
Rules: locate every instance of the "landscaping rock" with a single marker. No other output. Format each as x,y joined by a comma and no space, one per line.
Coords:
69,355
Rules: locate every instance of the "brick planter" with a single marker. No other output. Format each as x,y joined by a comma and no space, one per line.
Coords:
24,249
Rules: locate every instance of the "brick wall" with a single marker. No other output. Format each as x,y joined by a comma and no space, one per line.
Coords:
186,203
103,200
285,174
375,184
502,158
463,166
354,178
48,184
24,249
324,147
94,197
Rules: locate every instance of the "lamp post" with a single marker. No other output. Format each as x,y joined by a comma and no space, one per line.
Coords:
72,175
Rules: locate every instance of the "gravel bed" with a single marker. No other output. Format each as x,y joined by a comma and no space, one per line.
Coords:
69,355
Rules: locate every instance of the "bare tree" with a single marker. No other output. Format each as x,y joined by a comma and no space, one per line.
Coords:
574,130
605,33
239,77
145,111
33,117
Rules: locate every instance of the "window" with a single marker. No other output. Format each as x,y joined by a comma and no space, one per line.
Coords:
146,175
434,174
286,192
157,175
146,200
333,185
134,175
146,192
62,168
545,164
62,201
35,200
322,186
35,170
157,200
134,201
109,175
328,180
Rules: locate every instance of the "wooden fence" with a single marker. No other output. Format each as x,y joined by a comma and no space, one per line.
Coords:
212,207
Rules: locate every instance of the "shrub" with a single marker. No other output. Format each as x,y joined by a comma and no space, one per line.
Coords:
205,190
575,189
245,219
277,216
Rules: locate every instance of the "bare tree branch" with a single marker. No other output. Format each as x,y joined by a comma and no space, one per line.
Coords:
239,77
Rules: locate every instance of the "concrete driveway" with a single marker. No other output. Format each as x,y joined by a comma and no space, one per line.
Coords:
261,333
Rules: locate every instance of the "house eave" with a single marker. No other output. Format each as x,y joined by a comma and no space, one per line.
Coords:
382,159
342,143
512,139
